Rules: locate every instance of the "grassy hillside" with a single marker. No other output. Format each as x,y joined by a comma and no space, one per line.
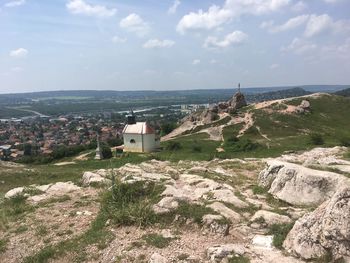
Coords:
345,92
274,132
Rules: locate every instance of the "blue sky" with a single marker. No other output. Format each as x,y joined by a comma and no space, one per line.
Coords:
167,44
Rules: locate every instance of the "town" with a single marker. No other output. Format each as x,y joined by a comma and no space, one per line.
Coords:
42,138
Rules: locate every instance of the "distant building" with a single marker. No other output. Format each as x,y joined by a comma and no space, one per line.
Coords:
139,136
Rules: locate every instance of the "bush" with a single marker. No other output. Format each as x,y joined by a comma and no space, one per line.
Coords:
316,139
173,146
280,232
345,141
196,148
106,151
131,204
167,128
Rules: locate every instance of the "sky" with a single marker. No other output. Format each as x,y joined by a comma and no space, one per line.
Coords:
172,44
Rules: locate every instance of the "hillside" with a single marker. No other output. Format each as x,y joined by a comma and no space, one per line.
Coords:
199,199
344,92
270,128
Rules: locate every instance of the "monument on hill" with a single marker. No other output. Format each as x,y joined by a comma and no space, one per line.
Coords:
238,100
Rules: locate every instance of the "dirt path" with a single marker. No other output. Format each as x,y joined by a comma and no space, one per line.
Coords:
249,122
82,157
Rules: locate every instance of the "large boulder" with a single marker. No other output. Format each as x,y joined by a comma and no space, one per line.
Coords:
323,231
299,185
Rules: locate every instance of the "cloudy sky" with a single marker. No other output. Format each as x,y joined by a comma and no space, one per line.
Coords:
172,44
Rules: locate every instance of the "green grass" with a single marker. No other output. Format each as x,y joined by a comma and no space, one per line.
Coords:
3,244
156,240
279,232
189,148
13,209
239,259
46,174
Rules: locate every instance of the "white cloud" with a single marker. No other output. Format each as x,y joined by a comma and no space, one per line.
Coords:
117,39
156,43
19,53
216,16
134,23
234,38
274,66
80,7
196,61
299,46
324,23
289,25
15,3
299,7
213,61
173,8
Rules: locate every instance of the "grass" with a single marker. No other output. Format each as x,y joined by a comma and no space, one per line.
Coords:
13,209
239,259
279,232
156,240
46,174
3,244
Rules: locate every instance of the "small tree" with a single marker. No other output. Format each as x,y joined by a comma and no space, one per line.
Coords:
316,139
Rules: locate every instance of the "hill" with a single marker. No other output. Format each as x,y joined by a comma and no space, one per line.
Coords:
345,92
269,128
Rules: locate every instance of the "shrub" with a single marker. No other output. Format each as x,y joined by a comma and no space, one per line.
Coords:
173,146
316,139
280,232
345,141
131,204
106,151
239,259
196,148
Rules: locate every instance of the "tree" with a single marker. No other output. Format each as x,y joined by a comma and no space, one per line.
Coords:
27,149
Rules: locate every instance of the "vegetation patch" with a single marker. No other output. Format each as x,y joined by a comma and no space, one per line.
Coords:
156,240
13,209
279,232
3,244
131,204
239,259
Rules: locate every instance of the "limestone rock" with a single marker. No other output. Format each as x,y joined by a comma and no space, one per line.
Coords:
325,229
270,218
157,258
93,178
216,224
225,212
217,253
299,185
227,196
14,192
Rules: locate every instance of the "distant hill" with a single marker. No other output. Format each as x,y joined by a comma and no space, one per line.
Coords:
279,94
345,92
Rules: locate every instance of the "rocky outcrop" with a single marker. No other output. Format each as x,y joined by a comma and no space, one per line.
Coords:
238,101
299,185
38,193
157,258
326,230
270,218
217,253
90,178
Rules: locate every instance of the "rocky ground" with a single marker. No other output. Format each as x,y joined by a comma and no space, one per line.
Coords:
240,211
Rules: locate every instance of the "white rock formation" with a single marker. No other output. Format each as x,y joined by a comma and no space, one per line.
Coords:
217,253
327,229
299,185
157,258
270,218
